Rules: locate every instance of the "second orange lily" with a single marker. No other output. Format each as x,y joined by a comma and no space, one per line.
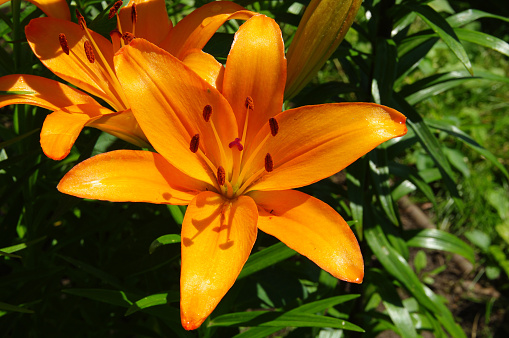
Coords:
233,157
85,59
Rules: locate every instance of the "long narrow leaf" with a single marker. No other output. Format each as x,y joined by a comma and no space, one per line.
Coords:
439,240
265,258
483,39
470,15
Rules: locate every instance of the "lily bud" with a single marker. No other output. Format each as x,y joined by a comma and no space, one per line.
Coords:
323,26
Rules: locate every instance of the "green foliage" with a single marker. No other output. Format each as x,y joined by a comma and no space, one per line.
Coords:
85,268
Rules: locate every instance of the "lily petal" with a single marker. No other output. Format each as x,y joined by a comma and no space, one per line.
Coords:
196,29
312,228
167,99
61,128
43,36
315,142
129,176
152,21
40,91
217,238
122,125
54,8
206,66
256,67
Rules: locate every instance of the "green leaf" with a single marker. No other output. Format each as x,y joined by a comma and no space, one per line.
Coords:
176,213
467,140
457,160
14,308
14,92
163,240
380,175
281,319
439,240
470,15
265,258
17,139
440,26
355,175
479,239
444,315
483,39
153,300
420,261
259,332
410,174
21,246
323,304
113,297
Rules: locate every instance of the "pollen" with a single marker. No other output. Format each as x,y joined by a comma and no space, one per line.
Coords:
236,143
207,112
63,43
274,126
195,143
89,51
134,14
128,37
114,9
81,20
221,176
249,103
269,164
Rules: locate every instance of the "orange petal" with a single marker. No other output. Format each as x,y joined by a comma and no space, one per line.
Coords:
313,229
61,128
152,21
41,92
196,29
122,125
315,142
256,67
54,8
168,99
129,176
217,238
43,36
206,66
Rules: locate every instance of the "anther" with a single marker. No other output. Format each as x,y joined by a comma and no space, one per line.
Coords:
221,176
114,9
134,15
269,164
274,126
207,112
195,143
249,103
63,43
236,143
116,32
128,37
81,20
89,51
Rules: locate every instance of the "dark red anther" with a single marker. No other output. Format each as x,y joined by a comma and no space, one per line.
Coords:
269,164
221,176
134,14
249,103
81,20
89,51
116,32
274,126
236,143
195,143
128,37
63,43
207,112
114,9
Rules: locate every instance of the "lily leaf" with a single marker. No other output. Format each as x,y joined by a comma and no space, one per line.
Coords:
265,258
153,300
163,240
439,240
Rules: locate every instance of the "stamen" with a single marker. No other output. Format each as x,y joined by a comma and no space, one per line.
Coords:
249,103
195,142
207,112
128,37
134,14
274,126
89,51
269,164
63,43
114,9
236,143
81,20
221,176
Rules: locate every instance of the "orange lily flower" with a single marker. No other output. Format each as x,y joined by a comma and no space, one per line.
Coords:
233,157
52,8
85,59
321,29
